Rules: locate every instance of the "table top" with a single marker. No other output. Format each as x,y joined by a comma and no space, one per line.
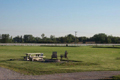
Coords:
33,53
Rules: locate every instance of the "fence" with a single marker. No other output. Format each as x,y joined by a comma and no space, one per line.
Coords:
46,44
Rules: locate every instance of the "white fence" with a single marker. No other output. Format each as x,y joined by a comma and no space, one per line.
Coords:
50,44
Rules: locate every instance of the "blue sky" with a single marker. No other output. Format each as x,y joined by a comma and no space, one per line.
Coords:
60,17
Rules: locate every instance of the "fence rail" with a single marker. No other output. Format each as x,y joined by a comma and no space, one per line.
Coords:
50,44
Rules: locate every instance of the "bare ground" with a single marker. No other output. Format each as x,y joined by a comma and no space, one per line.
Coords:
93,75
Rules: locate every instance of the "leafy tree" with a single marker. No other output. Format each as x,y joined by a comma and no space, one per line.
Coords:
62,40
29,39
115,40
100,38
52,39
43,35
5,38
10,39
18,39
37,40
70,38
82,38
0,38
109,39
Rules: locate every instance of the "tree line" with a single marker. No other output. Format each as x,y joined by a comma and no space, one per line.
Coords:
97,38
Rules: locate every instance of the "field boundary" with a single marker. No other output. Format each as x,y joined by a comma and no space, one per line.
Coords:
52,44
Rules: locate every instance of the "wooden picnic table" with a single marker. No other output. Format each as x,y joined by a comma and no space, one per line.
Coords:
34,56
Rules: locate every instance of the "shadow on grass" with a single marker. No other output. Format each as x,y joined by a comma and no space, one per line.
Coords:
17,59
106,47
112,78
75,63
118,58
58,46
61,63
71,61
3,61
11,60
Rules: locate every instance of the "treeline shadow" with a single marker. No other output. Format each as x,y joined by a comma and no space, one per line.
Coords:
59,46
114,47
75,63
71,60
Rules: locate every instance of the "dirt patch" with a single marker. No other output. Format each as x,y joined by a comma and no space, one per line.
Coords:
94,75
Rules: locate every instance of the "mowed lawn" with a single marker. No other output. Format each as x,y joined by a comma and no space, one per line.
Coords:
83,58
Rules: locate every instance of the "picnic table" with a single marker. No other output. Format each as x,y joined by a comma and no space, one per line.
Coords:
34,56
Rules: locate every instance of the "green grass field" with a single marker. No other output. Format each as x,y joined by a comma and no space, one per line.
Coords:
85,58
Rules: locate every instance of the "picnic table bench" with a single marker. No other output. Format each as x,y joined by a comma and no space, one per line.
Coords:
34,56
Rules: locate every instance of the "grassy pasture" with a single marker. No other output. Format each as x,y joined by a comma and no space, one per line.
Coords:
83,58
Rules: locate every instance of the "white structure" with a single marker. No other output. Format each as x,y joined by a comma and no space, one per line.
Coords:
34,57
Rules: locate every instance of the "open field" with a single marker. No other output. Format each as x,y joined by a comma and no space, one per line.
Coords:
84,58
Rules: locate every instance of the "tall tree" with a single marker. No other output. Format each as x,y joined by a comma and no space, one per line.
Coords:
100,38
28,39
18,39
70,38
37,40
115,40
0,38
52,39
62,40
82,39
43,36
5,38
